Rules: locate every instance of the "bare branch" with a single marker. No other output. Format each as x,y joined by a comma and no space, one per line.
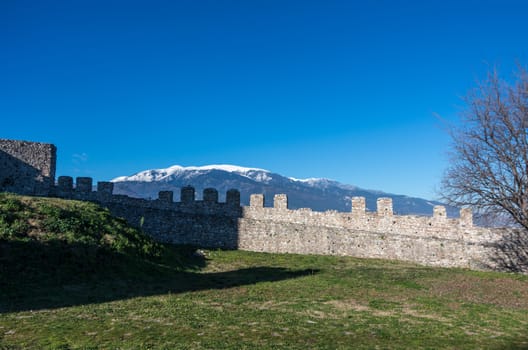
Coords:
489,161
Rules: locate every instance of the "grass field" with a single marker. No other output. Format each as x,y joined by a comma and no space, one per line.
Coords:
165,297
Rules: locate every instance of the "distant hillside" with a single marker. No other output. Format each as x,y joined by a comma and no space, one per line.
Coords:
317,194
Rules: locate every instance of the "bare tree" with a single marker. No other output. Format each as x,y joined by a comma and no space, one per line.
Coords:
489,159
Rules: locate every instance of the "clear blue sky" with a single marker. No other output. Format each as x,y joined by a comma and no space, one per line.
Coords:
346,90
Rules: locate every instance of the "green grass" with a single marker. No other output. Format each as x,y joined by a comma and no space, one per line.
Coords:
140,295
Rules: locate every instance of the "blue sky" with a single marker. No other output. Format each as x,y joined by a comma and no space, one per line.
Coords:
346,90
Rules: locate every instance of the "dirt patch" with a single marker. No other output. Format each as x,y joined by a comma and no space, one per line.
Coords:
504,292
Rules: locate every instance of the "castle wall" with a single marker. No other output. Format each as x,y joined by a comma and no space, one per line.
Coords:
203,223
27,167
435,241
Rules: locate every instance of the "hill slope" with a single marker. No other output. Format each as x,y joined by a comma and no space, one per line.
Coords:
85,229
48,245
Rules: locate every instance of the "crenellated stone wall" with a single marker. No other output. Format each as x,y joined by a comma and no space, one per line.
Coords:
436,240
206,222
29,168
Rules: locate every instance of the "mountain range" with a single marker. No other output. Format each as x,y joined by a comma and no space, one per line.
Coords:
315,193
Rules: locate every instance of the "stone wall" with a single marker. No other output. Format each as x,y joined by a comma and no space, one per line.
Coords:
435,240
205,223
27,167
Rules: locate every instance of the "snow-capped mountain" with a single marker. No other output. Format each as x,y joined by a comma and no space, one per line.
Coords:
175,171
317,194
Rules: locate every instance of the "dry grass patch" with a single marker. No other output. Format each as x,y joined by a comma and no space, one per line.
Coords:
504,292
402,311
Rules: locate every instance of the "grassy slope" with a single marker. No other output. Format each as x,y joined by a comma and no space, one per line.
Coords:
94,293
47,245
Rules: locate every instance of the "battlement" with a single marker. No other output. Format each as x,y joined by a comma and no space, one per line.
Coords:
432,240
29,168
359,217
383,220
83,190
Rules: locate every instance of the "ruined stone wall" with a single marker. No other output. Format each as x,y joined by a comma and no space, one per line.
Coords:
27,167
435,241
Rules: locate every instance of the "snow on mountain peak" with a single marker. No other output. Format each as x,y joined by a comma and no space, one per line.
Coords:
323,183
175,170
310,180
227,167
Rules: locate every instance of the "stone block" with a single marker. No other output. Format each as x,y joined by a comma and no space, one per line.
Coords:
83,184
280,201
65,184
166,196
256,200
187,194
439,212
105,187
466,217
233,197
359,205
384,206
210,195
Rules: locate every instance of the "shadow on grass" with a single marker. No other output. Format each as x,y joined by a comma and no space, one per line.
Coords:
37,276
